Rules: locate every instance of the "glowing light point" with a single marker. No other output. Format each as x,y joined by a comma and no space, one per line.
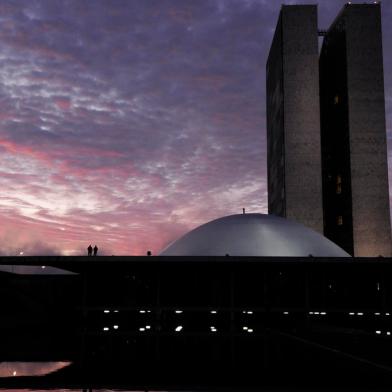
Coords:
115,326
179,328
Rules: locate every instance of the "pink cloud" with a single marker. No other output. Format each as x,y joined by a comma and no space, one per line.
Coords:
63,103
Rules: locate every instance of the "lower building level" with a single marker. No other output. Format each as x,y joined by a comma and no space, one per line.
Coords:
196,323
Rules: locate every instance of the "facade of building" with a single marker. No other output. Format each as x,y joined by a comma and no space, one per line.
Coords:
293,119
338,125
353,134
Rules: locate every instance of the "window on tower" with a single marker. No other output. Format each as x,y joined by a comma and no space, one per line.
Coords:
338,184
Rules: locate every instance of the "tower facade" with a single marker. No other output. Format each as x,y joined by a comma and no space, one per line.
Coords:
327,152
353,134
293,118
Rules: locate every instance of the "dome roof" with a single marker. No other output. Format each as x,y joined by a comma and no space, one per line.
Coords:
253,235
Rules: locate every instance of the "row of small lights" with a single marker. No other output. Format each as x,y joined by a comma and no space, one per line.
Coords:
179,328
362,314
107,328
311,313
380,332
178,311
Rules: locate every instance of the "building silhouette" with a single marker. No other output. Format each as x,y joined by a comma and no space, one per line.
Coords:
330,115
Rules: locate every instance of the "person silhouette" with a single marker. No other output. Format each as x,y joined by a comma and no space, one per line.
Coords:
95,250
89,250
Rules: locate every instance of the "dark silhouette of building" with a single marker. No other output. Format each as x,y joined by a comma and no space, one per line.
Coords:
293,119
345,93
240,323
354,151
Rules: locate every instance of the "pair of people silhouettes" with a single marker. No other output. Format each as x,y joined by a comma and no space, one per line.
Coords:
90,250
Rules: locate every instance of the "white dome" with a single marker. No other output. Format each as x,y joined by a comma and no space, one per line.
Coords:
253,235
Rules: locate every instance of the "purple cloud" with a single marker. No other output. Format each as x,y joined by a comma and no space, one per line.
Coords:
127,123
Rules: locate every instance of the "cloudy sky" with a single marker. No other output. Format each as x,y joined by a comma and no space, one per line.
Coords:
127,123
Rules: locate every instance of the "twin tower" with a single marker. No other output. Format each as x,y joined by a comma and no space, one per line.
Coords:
327,152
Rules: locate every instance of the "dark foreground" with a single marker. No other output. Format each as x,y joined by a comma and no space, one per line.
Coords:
186,323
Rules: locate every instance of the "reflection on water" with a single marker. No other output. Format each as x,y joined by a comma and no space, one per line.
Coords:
21,369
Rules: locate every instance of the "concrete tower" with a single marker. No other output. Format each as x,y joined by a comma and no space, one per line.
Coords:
353,135
293,118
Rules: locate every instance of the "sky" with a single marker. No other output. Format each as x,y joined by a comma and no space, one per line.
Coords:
126,123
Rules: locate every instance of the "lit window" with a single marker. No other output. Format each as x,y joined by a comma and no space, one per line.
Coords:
339,220
338,184
336,99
